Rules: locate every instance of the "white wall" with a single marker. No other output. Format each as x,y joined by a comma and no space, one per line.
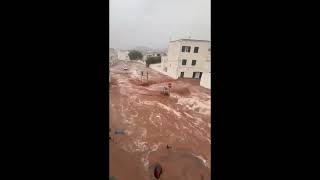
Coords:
113,56
174,51
141,61
172,71
156,67
171,61
206,80
171,67
187,72
123,55
201,57
207,67
175,57
164,61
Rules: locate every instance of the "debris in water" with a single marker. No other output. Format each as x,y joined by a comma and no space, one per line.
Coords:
157,171
112,178
119,131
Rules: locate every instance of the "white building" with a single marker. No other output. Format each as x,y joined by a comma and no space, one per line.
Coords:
113,56
206,80
123,55
187,58
206,76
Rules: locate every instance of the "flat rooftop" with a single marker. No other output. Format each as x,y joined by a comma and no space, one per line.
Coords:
190,40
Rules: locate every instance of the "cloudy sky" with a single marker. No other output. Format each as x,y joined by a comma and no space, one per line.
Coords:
152,22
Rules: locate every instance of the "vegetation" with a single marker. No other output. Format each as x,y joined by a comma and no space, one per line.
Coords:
135,55
153,60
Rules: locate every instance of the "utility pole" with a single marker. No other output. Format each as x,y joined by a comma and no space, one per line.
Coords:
147,76
141,75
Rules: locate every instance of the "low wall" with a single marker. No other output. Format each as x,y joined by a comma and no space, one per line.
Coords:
206,80
141,61
158,67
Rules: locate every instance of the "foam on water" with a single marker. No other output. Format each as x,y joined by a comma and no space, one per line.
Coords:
205,162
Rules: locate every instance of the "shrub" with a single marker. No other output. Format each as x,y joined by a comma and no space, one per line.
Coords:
135,55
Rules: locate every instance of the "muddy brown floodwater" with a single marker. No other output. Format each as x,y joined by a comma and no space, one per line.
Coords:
149,121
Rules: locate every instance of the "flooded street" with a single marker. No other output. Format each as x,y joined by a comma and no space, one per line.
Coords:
144,122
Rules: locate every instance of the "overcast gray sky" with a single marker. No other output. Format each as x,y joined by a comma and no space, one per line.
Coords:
151,22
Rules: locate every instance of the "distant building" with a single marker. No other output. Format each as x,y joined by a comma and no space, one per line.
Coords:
187,58
152,54
113,55
123,55
145,56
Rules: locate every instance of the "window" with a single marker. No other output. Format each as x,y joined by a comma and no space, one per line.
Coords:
184,61
186,48
196,49
194,62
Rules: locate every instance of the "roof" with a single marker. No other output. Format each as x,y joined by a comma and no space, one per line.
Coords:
190,40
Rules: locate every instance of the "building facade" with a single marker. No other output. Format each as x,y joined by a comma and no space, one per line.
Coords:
113,56
206,80
187,58
206,77
123,55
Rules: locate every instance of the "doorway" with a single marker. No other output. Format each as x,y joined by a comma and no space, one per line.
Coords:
182,74
196,75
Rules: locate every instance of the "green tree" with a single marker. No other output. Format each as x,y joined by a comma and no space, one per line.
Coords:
135,55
